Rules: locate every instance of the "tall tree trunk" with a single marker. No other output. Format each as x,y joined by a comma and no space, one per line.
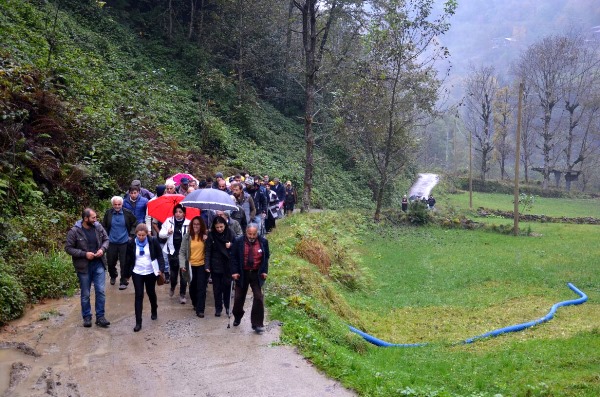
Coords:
192,18
240,67
309,39
201,24
170,20
288,49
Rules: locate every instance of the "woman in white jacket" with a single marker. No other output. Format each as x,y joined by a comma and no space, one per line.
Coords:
173,229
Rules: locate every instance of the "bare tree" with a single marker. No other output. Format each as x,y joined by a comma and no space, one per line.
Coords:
527,133
481,87
503,115
543,68
581,105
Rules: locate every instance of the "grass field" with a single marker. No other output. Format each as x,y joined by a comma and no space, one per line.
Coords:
542,205
439,286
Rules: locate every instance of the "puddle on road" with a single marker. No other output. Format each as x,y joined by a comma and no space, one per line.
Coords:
9,356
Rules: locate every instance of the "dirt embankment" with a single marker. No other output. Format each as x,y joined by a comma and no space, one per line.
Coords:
178,355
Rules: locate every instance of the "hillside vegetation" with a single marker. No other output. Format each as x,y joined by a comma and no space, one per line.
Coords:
87,104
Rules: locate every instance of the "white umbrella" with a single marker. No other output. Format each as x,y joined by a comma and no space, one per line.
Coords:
210,199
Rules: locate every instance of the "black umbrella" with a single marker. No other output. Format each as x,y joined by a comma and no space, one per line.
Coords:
209,199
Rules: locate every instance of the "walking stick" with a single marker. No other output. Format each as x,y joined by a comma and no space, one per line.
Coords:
230,308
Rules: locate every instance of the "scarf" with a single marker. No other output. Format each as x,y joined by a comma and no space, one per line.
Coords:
141,245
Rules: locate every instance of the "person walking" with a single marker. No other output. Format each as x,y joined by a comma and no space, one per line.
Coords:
145,264
143,191
246,209
249,268
191,259
273,212
231,223
217,258
136,203
290,198
260,203
431,202
173,229
86,243
404,203
119,224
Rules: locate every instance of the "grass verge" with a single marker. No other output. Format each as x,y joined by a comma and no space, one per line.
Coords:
428,284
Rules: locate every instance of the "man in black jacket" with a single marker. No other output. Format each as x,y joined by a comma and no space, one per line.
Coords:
86,243
260,203
249,267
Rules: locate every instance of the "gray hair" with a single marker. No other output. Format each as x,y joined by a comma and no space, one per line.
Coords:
116,198
169,183
252,225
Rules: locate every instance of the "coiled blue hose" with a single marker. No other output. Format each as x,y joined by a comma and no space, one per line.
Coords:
513,328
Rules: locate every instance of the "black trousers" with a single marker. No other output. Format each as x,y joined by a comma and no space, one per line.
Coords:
174,272
149,281
221,291
114,253
198,287
257,315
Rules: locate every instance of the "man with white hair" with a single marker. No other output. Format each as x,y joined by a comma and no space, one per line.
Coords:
119,224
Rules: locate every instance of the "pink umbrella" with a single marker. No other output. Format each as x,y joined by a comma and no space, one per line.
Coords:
177,177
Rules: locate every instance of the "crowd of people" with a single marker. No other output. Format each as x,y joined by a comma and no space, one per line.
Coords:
429,202
226,248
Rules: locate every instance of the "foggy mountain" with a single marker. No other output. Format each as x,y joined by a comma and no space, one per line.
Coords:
495,32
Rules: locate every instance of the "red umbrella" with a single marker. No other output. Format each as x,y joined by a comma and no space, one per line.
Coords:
177,177
161,208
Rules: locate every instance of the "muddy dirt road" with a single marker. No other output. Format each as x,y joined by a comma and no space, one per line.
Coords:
177,355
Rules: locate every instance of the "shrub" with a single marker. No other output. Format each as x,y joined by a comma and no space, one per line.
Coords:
12,297
48,276
315,252
418,213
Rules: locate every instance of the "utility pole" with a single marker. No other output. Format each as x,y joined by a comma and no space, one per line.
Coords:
470,170
517,161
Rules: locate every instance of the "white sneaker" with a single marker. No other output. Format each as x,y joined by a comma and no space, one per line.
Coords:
182,300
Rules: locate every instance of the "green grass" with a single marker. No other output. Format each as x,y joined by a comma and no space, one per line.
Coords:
543,206
428,284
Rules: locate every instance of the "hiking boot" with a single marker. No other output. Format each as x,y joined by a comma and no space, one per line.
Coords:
113,280
87,322
182,300
102,322
122,287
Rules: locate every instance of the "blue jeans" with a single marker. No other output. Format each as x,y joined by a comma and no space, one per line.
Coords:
95,275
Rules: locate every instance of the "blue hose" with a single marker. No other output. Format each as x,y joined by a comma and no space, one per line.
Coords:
513,328
379,342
